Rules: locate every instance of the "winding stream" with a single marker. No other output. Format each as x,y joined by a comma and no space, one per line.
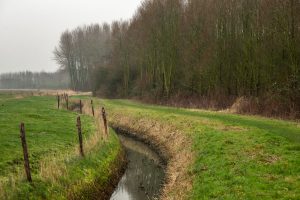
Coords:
144,174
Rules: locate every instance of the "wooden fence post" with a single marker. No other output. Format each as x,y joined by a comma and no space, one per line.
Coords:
58,101
67,102
80,105
80,136
104,120
25,152
93,111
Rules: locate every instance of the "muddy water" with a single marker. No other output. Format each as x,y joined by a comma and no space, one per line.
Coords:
144,174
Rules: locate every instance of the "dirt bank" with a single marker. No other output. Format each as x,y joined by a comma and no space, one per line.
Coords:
103,191
172,146
116,170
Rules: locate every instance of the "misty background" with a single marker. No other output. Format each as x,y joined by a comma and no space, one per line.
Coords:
30,29
210,54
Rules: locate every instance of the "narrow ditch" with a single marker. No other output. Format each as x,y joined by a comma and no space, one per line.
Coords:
144,175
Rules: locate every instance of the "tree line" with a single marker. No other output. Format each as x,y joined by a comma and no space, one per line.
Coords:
34,80
206,49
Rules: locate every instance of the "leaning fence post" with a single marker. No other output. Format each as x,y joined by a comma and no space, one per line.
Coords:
92,104
104,120
80,136
25,152
80,105
58,101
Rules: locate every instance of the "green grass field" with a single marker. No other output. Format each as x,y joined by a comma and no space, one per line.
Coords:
57,169
237,157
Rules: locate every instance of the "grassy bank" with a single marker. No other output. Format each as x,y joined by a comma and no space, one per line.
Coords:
57,169
215,155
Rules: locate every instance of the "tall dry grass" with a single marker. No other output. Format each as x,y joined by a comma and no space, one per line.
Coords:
8,184
2,189
53,166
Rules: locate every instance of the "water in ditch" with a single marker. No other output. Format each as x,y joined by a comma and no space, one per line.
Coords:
144,175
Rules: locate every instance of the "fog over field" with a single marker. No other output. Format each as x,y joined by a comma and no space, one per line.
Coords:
30,29
149,99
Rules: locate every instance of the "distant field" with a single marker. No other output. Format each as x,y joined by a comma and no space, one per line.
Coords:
233,156
58,170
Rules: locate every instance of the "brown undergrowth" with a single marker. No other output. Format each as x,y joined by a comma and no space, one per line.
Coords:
268,105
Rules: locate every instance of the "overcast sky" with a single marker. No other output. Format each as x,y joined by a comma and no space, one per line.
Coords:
30,29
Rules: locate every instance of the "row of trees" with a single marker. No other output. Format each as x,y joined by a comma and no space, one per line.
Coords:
211,48
81,52
34,80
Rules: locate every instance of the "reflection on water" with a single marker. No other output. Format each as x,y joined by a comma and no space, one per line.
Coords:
144,174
